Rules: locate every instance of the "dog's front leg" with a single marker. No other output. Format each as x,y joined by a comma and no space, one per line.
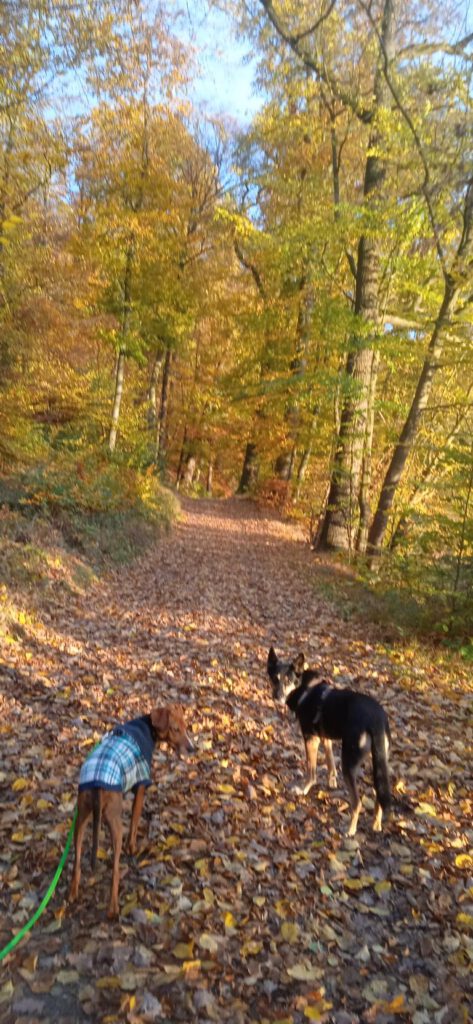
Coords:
312,744
332,771
135,817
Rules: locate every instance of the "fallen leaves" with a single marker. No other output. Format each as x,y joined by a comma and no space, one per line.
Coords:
243,905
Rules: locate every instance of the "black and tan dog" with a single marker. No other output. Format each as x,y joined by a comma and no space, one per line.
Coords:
120,763
327,713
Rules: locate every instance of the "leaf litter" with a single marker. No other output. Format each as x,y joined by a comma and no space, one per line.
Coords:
245,903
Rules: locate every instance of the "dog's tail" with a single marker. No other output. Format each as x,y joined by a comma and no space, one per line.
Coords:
96,815
380,751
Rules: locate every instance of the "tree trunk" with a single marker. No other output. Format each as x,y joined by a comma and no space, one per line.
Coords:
181,457
307,452
162,426
120,371
419,488
119,378
365,483
210,478
460,273
409,432
354,436
249,473
284,465
152,414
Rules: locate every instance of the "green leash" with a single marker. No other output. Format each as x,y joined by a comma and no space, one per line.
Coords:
46,898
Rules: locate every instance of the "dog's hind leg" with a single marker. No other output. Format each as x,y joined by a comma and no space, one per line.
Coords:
332,771
112,811
84,811
380,753
135,818
352,756
312,744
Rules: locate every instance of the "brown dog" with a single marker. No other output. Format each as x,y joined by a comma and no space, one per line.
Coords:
122,762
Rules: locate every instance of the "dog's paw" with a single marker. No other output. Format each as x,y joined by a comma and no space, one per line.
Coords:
332,782
301,788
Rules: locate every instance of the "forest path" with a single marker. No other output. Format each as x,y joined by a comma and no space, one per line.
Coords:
243,905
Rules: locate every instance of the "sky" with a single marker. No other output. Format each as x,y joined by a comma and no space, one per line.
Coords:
226,81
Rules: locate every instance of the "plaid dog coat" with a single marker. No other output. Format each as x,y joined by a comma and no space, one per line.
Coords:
117,764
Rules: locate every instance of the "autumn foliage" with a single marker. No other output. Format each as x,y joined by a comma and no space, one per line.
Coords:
282,310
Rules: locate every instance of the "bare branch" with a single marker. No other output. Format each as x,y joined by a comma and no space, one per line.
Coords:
316,65
313,28
251,267
453,49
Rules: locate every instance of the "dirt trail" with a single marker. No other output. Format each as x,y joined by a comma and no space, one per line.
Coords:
244,905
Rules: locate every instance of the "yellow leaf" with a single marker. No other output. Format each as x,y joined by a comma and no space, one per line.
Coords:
425,808
229,920
66,977
130,905
6,991
464,860
396,1005
302,972
251,948
202,866
20,837
109,981
225,787
317,1012
209,942
382,887
282,908
465,919
184,950
42,805
289,931
20,784
191,966
358,883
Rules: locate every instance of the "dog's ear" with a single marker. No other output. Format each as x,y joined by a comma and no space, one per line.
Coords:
272,657
299,664
160,720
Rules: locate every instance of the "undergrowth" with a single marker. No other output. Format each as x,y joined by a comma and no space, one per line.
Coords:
62,523
405,606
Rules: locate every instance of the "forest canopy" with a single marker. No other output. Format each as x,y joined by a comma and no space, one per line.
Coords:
282,310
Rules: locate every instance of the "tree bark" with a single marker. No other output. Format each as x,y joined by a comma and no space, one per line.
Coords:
162,426
119,379
409,432
152,414
351,449
120,370
249,473
365,483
